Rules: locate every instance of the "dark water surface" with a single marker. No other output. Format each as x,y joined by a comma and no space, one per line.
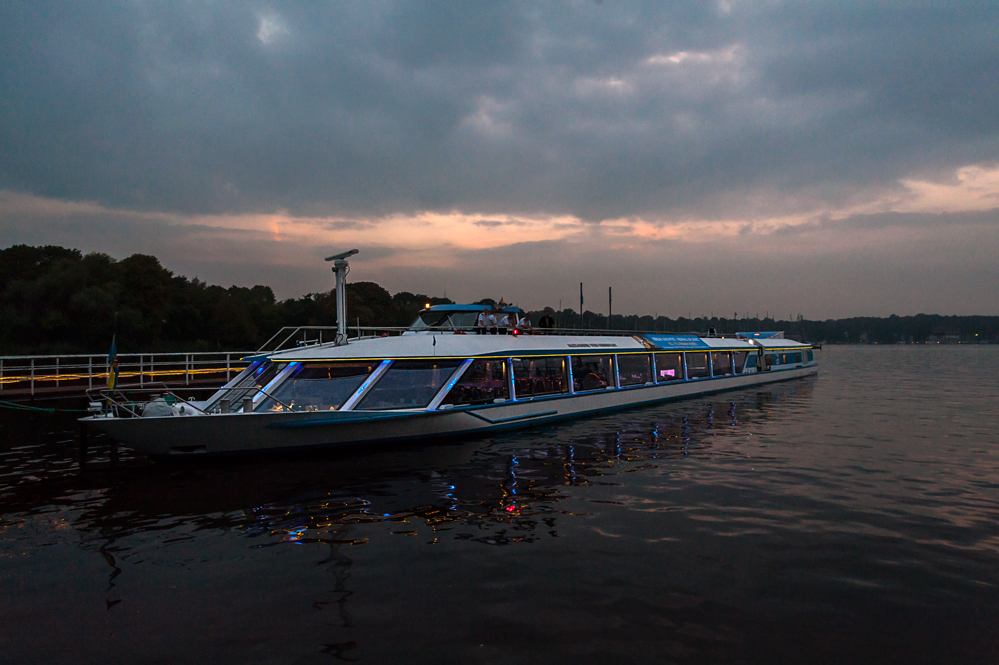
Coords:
849,517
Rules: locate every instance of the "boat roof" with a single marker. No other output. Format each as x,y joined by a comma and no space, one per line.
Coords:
762,334
778,344
449,345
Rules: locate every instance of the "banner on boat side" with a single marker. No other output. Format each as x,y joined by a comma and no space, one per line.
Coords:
678,342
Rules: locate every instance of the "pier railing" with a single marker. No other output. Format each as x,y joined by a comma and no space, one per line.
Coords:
33,375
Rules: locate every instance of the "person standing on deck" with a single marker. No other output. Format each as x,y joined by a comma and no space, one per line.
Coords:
546,322
506,322
482,321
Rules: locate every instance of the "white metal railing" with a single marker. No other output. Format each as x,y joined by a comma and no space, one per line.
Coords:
308,335
31,374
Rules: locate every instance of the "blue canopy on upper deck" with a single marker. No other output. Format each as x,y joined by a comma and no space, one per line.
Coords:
470,308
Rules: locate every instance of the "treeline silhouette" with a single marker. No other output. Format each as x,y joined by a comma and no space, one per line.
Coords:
58,300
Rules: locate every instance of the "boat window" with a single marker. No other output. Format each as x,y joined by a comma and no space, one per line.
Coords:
697,365
236,381
669,367
740,360
483,382
319,386
810,357
445,320
721,362
539,376
431,320
252,383
772,359
409,384
464,320
634,370
592,373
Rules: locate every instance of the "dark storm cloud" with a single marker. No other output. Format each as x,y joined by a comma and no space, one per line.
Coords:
362,109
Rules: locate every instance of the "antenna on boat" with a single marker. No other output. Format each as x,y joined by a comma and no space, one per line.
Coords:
340,269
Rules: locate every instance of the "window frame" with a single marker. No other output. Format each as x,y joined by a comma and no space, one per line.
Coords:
629,356
686,364
366,390
566,376
682,367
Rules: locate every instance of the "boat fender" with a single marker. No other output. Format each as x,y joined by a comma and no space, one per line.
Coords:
157,407
185,410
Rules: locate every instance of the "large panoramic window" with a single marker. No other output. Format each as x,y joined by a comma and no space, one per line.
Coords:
721,362
249,384
319,386
409,384
697,365
669,367
539,376
483,382
592,373
634,370
740,360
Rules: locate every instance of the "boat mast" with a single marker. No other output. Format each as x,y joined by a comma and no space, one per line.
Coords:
340,269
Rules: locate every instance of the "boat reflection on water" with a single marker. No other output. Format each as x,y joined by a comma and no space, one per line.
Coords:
497,491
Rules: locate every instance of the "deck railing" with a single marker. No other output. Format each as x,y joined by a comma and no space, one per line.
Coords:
291,336
79,372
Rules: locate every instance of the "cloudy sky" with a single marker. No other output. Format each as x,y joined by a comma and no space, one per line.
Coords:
828,158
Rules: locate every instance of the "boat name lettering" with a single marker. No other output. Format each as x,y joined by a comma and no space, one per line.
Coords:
677,341
576,346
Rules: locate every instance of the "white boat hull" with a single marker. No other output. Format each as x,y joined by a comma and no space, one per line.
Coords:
258,432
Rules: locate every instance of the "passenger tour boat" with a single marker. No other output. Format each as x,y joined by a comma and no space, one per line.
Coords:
441,379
